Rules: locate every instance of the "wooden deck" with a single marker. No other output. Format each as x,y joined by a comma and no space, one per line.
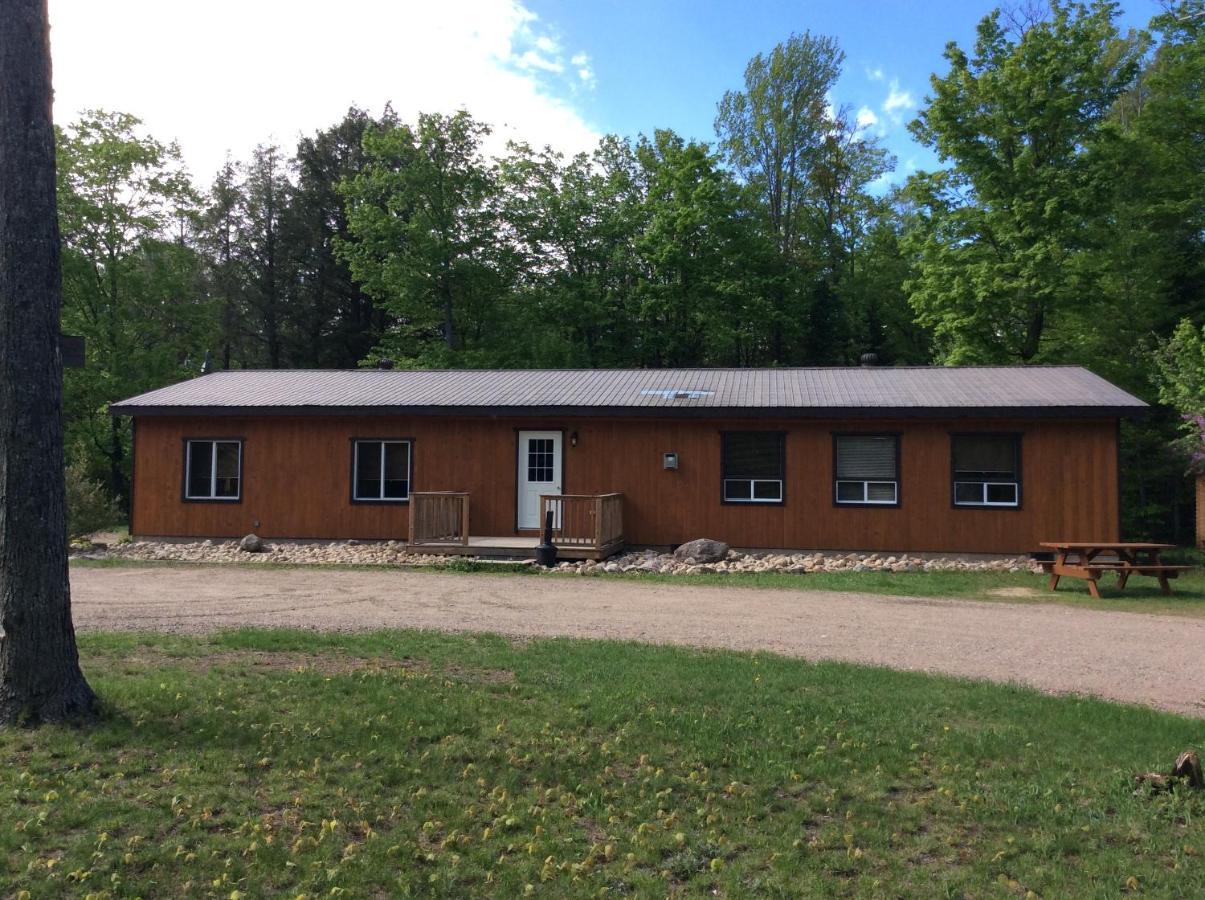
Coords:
503,547
584,526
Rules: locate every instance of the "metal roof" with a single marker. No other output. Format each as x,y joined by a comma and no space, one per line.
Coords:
865,391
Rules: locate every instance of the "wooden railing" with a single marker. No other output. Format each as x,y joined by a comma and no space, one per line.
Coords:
439,517
585,520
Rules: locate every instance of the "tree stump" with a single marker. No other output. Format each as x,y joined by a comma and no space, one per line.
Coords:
1187,768
1188,765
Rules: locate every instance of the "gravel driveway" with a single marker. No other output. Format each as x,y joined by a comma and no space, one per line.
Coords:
1146,659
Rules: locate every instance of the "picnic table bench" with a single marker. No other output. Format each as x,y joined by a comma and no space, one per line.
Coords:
1091,559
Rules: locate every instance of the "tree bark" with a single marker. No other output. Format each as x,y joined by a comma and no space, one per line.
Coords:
40,677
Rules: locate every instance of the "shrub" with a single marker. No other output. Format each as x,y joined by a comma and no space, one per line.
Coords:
89,506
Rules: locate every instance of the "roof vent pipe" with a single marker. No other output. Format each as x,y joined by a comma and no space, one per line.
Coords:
384,364
870,359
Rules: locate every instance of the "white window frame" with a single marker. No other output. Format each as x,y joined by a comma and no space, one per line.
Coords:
753,482
355,470
866,501
1011,504
213,470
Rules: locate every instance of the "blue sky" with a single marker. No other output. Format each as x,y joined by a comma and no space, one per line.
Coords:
666,64
557,72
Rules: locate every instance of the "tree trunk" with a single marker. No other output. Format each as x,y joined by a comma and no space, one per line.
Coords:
40,677
117,475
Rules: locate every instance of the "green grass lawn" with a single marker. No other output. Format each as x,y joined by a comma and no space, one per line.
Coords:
405,763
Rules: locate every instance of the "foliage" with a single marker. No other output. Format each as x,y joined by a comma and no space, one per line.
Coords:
90,508
452,766
131,287
809,169
424,226
999,237
1181,373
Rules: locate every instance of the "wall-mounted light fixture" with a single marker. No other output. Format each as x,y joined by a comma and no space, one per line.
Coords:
669,461
573,439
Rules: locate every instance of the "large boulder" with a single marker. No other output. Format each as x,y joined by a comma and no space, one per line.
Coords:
252,543
701,550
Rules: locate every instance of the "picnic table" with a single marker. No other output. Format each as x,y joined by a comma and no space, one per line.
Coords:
1091,559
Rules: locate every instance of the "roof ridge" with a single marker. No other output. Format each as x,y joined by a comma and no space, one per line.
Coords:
852,368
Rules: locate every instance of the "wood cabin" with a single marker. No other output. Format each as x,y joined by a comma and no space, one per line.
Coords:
917,459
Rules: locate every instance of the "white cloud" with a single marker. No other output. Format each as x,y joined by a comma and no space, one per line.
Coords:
228,74
898,101
866,118
585,71
533,60
875,74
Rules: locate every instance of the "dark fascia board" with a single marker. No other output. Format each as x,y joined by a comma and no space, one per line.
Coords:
664,412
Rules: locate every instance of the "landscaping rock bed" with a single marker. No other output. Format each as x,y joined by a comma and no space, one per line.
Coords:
643,561
799,563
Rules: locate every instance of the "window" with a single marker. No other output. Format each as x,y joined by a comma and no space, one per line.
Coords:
987,469
213,469
866,469
381,471
540,458
752,466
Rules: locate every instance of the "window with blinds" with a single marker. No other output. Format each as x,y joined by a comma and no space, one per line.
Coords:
752,466
987,469
866,469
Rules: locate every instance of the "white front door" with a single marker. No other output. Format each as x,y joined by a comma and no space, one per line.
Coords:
539,473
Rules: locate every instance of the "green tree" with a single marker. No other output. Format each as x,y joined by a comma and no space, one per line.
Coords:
423,222
220,235
700,257
132,283
1180,373
333,322
266,195
838,213
773,134
1002,240
574,226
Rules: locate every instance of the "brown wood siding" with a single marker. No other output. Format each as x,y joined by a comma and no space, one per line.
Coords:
296,481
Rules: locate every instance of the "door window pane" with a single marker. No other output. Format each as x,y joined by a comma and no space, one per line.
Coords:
539,460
